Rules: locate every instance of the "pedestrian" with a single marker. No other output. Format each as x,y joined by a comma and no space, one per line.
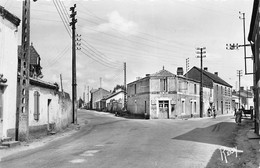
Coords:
239,116
214,112
235,112
209,112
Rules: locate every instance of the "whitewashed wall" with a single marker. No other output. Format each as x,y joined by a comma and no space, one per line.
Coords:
8,67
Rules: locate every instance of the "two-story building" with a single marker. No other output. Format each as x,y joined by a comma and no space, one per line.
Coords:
96,96
221,91
163,95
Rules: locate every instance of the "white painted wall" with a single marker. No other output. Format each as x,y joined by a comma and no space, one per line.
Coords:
8,67
60,111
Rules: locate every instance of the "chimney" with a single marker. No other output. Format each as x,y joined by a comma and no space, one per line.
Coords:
216,73
179,71
241,88
206,69
147,75
137,78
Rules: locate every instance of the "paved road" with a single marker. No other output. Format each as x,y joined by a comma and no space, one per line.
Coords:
106,141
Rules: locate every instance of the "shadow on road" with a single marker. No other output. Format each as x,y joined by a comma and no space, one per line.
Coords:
218,134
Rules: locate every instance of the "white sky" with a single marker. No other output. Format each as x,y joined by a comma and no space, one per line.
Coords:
146,34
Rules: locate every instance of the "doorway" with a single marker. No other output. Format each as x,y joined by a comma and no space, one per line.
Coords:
164,109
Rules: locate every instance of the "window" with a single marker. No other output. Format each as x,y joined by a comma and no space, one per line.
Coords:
36,106
163,85
135,88
195,89
195,107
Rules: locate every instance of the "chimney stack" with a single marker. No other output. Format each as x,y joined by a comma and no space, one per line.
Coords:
241,88
179,71
206,69
216,73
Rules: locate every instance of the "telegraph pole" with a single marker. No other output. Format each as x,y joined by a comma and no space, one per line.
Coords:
242,16
125,85
74,79
187,64
235,46
201,51
239,74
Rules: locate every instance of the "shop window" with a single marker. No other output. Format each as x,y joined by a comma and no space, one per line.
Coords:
36,106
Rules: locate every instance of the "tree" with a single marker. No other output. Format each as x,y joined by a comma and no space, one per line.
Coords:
118,87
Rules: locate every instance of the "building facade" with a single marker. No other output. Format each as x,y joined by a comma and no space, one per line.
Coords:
163,95
96,96
254,39
114,102
49,109
220,91
8,70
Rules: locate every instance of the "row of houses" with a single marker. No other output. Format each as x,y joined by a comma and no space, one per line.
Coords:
48,108
166,95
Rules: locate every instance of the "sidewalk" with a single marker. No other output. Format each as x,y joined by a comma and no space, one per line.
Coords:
245,140
35,143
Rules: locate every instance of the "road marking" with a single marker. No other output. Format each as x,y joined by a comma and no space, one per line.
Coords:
89,153
77,160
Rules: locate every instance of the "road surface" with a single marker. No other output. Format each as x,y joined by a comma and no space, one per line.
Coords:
106,141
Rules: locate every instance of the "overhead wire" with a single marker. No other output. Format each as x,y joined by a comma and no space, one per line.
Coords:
89,49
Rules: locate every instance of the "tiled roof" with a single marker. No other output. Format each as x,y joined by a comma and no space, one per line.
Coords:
10,17
112,95
163,72
212,76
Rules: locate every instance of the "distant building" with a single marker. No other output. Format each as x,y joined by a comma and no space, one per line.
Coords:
8,70
163,95
221,91
254,39
114,102
96,96
35,62
246,98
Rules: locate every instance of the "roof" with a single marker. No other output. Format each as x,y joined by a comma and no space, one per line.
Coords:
99,89
253,20
112,95
38,82
212,76
163,72
10,17
33,55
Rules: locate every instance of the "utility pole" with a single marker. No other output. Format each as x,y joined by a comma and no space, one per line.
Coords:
237,46
201,51
239,74
187,64
22,104
88,94
61,85
242,16
74,77
84,94
125,91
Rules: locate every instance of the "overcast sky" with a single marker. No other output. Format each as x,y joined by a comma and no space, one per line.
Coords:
146,34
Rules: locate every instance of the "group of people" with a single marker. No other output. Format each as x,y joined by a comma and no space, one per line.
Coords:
237,114
212,112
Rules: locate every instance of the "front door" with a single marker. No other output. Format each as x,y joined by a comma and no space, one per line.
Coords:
164,109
